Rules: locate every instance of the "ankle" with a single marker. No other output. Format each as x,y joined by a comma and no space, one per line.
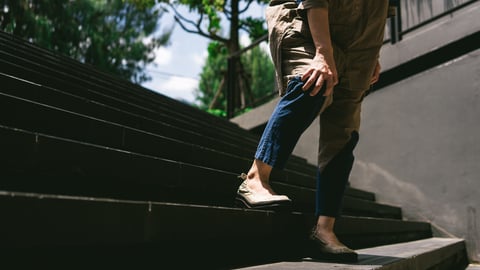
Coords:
324,228
323,234
325,224
256,177
259,171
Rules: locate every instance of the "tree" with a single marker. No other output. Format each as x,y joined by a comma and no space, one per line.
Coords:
208,24
258,74
261,71
212,79
109,34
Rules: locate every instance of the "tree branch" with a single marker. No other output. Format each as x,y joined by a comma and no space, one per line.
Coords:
228,14
199,31
246,8
244,28
182,21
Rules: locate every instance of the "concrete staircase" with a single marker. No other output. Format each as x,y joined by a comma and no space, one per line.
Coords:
101,172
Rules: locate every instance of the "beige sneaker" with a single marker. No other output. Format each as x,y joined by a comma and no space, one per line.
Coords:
320,250
245,198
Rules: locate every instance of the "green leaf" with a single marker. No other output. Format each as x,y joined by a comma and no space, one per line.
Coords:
109,34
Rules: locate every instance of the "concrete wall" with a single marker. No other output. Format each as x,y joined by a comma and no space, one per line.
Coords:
420,138
420,148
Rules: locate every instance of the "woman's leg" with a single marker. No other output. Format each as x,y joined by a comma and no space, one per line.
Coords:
258,178
292,115
339,125
331,183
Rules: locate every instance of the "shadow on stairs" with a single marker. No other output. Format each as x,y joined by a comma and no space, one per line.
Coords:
96,171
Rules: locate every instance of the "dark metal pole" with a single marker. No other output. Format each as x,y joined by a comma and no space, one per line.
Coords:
396,22
231,82
399,21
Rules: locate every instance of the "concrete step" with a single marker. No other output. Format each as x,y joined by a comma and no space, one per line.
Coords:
36,117
360,194
34,162
110,109
37,68
304,198
163,141
432,253
32,64
42,163
237,141
174,234
27,61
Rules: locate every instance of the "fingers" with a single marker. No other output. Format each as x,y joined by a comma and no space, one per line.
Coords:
309,78
375,78
318,85
316,79
312,78
305,77
376,74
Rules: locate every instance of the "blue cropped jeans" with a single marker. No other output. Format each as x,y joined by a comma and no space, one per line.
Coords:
295,111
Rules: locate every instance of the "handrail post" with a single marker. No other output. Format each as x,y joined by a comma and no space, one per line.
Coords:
396,22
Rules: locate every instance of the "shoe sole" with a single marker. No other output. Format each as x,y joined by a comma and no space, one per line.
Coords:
241,203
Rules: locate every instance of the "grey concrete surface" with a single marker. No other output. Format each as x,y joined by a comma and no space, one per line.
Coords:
420,148
259,117
421,254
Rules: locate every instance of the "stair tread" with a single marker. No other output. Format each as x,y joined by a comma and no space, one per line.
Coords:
163,179
420,254
53,121
64,214
170,232
226,139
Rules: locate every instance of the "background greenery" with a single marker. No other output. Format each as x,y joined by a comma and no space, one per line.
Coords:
109,34
120,36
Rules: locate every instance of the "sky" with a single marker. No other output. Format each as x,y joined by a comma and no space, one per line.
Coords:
177,67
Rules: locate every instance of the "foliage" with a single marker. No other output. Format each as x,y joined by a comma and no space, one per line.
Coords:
109,34
217,112
210,78
211,13
258,72
261,72
255,76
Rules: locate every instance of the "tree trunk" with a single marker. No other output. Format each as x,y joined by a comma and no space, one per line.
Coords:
233,47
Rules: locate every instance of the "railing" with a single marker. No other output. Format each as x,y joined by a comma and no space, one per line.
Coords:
414,14
409,16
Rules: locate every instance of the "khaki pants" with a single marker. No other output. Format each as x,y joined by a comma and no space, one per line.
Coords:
356,28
